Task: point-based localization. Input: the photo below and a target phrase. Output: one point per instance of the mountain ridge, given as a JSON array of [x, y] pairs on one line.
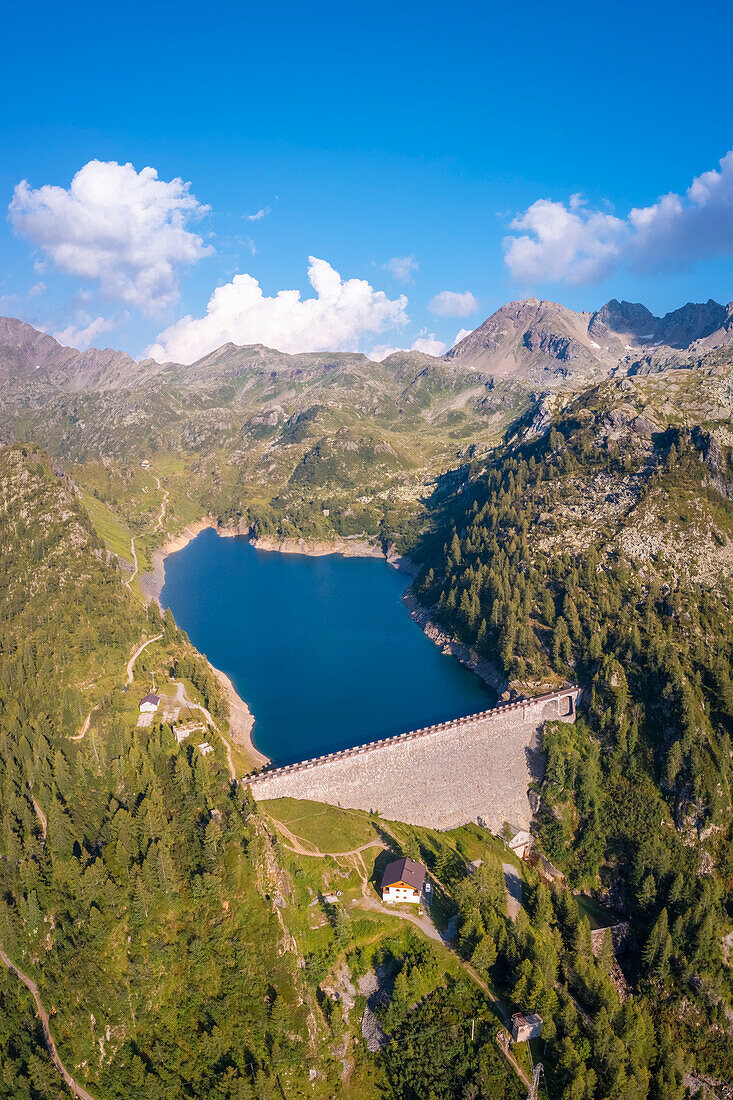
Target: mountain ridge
[[533, 339], [551, 344]]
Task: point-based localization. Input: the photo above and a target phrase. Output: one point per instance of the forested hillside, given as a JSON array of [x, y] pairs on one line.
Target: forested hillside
[[174, 950], [599, 551], [130, 889]]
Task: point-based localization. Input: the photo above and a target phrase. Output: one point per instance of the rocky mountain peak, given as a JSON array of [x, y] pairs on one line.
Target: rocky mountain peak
[[691, 322], [622, 319]]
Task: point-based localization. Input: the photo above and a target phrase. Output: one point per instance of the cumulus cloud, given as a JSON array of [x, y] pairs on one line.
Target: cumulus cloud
[[426, 341], [336, 319], [430, 344], [451, 303], [401, 268], [461, 335], [259, 215], [571, 243], [82, 335], [126, 230]]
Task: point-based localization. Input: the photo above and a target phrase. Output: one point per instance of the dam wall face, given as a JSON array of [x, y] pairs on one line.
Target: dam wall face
[[475, 768]]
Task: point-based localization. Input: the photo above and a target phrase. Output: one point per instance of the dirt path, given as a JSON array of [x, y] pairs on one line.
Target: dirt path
[[75, 1087], [421, 921], [40, 815], [427, 927], [183, 700], [513, 890], [132, 576], [158, 525], [136, 654], [85, 727], [296, 844], [164, 505]]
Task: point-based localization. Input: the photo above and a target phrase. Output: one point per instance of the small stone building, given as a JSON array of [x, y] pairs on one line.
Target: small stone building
[[526, 1027], [402, 881]]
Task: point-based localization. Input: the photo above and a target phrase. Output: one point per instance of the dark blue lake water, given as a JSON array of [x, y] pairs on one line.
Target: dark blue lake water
[[322, 649]]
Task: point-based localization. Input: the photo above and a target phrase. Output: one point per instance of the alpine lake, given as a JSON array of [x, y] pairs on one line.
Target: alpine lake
[[322, 649]]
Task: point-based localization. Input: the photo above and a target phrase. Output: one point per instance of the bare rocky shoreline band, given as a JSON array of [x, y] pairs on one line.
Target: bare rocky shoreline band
[[242, 720]]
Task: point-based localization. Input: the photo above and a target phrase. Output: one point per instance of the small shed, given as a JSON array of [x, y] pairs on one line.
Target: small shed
[[149, 703], [402, 881], [205, 748], [526, 1026], [521, 843]]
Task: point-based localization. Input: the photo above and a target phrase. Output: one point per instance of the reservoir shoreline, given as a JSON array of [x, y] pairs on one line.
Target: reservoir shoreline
[[242, 719]]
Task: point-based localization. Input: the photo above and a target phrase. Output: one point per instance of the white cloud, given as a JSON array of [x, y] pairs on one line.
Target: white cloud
[[402, 267], [83, 337], [426, 341], [382, 351], [572, 244], [125, 230], [451, 303], [12, 300], [461, 335], [259, 215], [430, 344], [336, 319]]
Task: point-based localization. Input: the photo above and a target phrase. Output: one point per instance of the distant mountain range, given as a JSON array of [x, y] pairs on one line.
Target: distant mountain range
[[538, 343], [246, 423]]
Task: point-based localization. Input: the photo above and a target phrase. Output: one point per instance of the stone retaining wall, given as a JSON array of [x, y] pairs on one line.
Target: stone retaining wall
[[479, 767]]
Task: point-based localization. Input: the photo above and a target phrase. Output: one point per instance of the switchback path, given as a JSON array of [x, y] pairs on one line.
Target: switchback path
[[128, 670], [164, 505], [75, 1087], [158, 525]]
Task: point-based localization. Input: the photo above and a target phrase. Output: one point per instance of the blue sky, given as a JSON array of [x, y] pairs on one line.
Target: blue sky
[[410, 132]]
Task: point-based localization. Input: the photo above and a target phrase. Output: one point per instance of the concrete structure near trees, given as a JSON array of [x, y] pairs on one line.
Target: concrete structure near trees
[[479, 768]]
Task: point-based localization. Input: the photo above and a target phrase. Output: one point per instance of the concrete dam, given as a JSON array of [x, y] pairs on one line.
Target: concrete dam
[[478, 768]]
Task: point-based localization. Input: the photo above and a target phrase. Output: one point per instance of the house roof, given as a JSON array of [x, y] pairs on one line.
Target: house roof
[[150, 698], [404, 870]]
